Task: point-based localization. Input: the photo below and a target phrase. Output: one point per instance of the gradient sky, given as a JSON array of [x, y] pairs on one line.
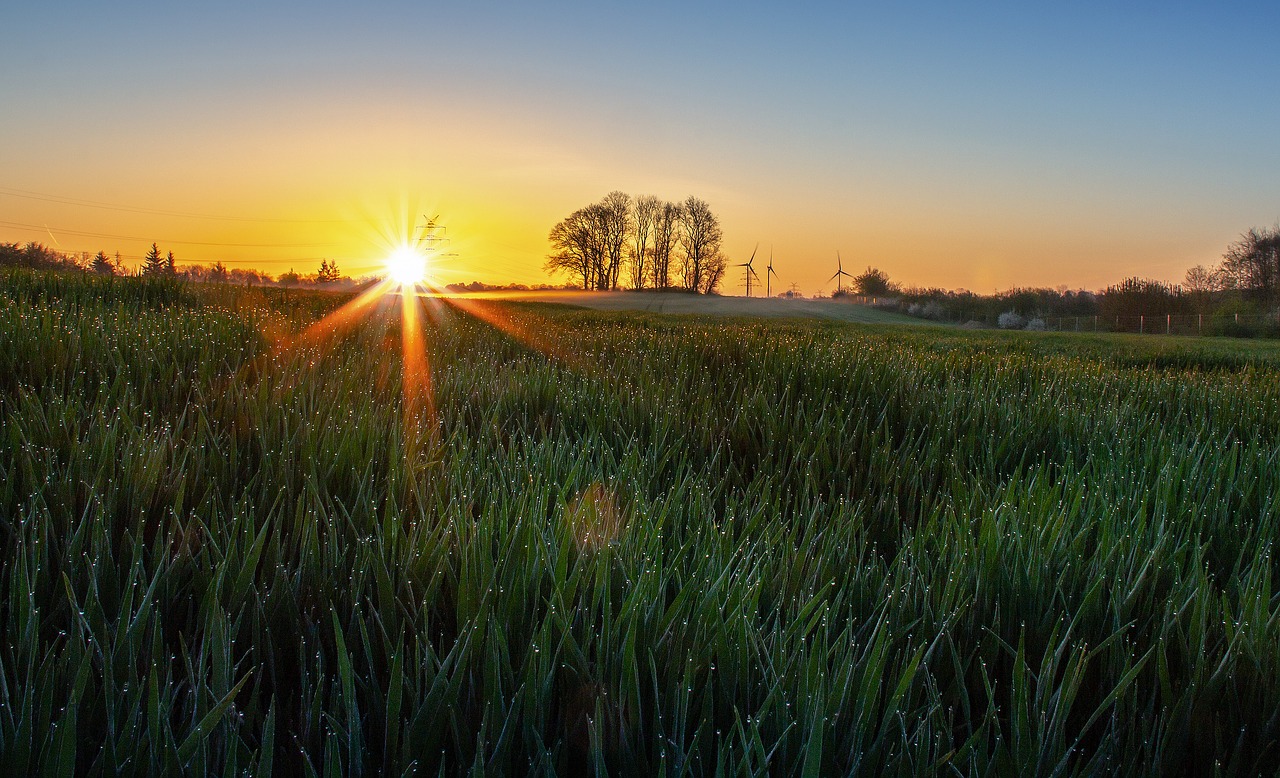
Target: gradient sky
[[989, 147]]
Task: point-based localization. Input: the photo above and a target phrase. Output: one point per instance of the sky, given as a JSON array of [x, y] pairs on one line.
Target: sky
[[985, 147]]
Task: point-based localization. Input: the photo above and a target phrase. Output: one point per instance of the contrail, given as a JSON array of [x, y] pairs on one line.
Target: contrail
[[55, 240]]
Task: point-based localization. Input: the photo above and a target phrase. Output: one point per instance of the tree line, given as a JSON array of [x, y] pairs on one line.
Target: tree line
[[644, 242], [1243, 288], [161, 264], [1250, 266]]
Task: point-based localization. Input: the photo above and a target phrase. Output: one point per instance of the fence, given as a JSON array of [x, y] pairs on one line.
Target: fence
[[1239, 324]]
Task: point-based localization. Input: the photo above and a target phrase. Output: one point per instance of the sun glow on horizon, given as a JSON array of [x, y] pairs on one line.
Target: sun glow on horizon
[[407, 266]]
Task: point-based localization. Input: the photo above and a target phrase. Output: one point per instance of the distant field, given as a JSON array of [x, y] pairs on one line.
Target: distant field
[[676, 302], [557, 540]]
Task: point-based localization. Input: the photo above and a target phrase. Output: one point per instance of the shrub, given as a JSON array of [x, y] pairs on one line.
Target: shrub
[[1010, 320], [934, 310]]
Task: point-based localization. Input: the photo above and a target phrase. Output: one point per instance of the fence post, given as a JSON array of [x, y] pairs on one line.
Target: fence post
[[1142, 324], [1168, 322], [1200, 324]]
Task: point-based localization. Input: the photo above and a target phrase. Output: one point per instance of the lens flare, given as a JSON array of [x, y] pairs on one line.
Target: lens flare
[[407, 266]]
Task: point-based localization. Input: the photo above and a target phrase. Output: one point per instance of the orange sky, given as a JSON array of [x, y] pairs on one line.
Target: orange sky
[[988, 152]]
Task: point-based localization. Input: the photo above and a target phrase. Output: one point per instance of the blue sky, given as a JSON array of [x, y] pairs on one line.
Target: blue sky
[[986, 147]]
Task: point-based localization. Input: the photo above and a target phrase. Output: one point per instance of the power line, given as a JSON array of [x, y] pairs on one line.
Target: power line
[[209, 261], [29, 195], [46, 228], [252, 262]]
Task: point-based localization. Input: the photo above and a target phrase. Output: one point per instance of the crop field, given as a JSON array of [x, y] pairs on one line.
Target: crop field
[[235, 541]]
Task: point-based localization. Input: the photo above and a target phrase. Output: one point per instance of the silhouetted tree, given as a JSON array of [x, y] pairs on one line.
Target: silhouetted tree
[[615, 212], [1200, 285], [713, 272], [101, 264], [1252, 264], [666, 234], [872, 283], [577, 249], [39, 257], [153, 263], [644, 212], [1201, 279], [1135, 297], [700, 237], [170, 266], [328, 272], [247, 277], [591, 244]]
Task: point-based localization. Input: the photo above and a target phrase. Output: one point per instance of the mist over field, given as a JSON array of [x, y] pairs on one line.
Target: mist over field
[[685, 303]]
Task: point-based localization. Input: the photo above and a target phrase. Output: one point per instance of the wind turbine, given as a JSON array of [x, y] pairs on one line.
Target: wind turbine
[[768, 275], [839, 276], [750, 271]]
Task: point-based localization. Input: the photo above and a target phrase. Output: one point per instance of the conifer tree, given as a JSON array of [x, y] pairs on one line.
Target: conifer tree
[[153, 263], [328, 272], [101, 264]]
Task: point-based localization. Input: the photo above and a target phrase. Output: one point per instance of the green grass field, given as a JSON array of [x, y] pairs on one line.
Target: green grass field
[[711, 305], [625, 542]]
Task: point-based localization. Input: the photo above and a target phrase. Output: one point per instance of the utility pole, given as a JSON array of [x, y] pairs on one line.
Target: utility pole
[[432, 236], [746, 266], [428, 232]]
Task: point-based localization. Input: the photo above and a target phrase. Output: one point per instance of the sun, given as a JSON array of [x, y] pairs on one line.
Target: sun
[[407, 266]]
